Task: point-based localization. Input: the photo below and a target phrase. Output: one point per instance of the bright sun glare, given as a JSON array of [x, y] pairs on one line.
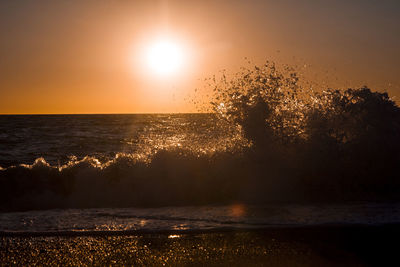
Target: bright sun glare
[[165, 57]]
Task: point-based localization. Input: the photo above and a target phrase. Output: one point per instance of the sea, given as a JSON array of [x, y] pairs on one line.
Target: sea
[[66, 174]]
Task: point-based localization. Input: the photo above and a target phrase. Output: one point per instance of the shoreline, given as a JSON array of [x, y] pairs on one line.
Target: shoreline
[[333, 245], [265, 229]]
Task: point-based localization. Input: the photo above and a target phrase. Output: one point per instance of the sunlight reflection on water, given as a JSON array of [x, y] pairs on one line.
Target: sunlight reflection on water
[[198, 217], [174, 236]]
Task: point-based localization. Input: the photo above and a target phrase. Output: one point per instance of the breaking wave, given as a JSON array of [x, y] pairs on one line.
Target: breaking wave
[[290, 143]]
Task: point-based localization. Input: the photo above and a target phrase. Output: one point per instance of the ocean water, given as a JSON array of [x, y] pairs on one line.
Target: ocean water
[[58, 138], [68, 173], [194, 218]]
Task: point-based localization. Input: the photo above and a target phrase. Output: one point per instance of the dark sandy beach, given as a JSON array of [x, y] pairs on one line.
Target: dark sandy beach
[[301, 246]]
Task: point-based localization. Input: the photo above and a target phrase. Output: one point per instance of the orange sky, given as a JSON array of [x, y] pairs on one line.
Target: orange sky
[[82, 56]]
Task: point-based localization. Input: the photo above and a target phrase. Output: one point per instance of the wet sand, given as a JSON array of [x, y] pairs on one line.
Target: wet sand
[[302, 246]]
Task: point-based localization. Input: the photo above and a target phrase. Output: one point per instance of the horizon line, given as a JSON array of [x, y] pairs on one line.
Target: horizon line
[[130, 113]]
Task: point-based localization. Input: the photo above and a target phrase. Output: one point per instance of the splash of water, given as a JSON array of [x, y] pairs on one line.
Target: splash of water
[[281, 142]]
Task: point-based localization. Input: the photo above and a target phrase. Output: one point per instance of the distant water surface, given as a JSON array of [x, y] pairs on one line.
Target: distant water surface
[[57, 138]]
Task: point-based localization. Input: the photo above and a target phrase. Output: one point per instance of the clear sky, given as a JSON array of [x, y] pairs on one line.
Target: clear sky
[[90, 56]]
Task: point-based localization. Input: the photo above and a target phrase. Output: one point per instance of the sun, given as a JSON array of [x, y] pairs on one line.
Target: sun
[[165, 57]]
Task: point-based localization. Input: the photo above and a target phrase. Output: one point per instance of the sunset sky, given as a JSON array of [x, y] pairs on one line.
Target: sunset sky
[[98, 56]]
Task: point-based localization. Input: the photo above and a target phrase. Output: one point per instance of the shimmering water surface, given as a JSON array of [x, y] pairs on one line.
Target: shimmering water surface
[[57, 138], [197, 218]]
